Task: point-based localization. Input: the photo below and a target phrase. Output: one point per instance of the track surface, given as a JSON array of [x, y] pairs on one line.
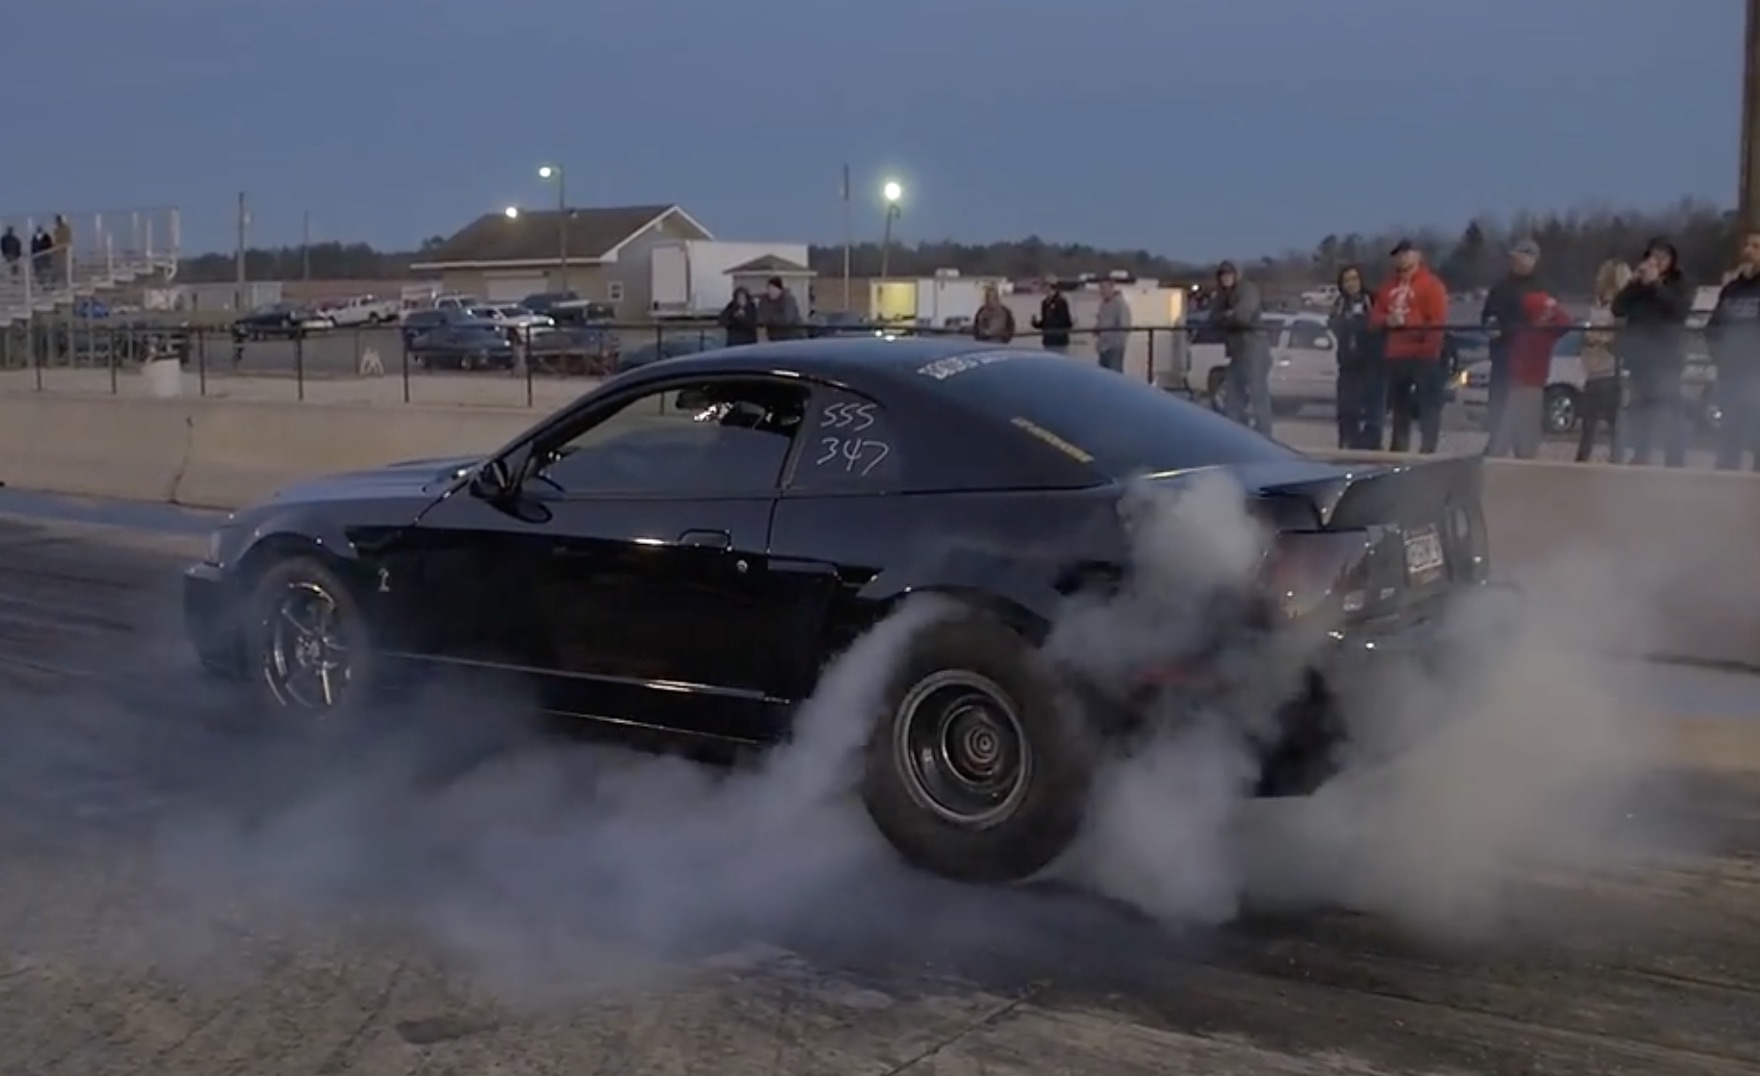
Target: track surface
[[110, 747]]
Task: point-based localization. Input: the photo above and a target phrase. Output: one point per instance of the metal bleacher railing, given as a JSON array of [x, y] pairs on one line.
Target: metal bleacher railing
[[108, 250]]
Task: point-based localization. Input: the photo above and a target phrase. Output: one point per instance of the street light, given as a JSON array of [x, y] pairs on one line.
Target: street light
[[511, 212], [554, 172], [892, 191]]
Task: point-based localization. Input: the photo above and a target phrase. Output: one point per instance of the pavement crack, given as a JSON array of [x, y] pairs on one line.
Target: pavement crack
[[990, 1019], [337, 1060]]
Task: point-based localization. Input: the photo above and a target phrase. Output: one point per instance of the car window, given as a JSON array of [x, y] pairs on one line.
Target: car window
[[1117, 425], [849, 445], [711, 438], [1307, 336]]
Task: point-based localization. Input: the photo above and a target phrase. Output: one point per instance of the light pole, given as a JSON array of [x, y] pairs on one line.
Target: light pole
[[892, 192], [511, 212], [549, 172]]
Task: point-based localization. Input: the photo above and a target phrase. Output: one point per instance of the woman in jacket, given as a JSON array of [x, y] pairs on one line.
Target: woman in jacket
[[1653, 309], [1602, 391], [740, 318], [1362, 384]]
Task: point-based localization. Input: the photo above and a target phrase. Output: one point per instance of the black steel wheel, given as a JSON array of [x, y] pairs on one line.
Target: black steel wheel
[[308, 647], [961, 750], [975, 769]]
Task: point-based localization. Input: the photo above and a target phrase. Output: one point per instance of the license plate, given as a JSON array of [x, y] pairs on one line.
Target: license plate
[[1424, 560]]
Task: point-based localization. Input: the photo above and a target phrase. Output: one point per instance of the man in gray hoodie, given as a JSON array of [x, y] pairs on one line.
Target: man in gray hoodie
[[1234, 312], [1112, 327]]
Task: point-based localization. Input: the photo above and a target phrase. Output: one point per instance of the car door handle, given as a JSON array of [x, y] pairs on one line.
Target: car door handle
[[707, 539]]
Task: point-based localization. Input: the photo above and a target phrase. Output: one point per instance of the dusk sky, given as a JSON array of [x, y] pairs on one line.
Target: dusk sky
[[1193, 129]]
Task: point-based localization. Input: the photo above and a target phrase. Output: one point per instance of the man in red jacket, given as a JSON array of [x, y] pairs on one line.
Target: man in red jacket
[[1522, 420], [1412, 308]]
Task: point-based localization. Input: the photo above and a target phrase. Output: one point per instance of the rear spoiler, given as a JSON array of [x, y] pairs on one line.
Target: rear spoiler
[[1380, 488]]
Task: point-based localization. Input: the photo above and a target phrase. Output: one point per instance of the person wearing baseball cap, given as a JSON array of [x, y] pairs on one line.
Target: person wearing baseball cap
[[1502, 316], [1411, 308]]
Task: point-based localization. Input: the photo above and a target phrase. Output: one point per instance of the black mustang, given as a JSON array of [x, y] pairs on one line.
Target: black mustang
[[685, 548]]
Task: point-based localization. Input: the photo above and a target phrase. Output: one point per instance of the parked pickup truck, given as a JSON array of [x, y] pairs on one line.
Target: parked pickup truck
[[364, 310]]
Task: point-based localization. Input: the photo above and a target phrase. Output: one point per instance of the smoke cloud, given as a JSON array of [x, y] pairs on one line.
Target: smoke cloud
[[1518, 754], [549, 868]]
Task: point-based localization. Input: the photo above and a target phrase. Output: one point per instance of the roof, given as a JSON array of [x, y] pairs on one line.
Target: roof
[[594, 234], [770, 263], [831, 357]]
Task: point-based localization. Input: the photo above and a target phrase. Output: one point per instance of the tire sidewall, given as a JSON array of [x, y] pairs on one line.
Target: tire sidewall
[[1049, 813]]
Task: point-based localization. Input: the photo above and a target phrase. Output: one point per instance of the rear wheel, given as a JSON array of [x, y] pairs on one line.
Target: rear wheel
[[973, 771], [305, 640], [1216, 388]]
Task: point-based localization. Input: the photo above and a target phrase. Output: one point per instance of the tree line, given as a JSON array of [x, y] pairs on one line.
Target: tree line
[[1573, 243]]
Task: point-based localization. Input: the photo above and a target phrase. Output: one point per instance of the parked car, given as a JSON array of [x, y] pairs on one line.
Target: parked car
[[513, 318], [279, 321], [417, 322], [464, 346], [688, 548], [1304, 362], [542, 302], [581, 312], [364, 310], [573, 351], [1564, 389]]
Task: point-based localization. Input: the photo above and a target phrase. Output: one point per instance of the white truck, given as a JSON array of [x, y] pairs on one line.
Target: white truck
[[364, 310]]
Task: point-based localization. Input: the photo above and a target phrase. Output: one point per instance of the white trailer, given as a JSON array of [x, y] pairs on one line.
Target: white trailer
[[689, 278]]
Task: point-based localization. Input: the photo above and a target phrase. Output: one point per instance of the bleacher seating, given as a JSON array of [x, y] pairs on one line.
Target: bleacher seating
[[111, 249]]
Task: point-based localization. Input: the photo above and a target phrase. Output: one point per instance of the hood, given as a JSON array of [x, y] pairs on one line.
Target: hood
[[412, 478]]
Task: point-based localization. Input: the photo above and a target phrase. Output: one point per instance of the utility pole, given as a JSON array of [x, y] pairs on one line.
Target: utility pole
[[1748, 197], [849, 234], [244, 223], [305, 247]]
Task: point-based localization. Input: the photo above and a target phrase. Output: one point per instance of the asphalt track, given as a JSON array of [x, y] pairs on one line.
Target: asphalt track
[[122, 951]]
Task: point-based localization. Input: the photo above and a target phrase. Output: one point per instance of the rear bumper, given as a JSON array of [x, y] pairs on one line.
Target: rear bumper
[[210, 618]]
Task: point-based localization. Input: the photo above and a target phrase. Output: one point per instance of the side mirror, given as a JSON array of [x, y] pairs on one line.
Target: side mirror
[[492, 481]]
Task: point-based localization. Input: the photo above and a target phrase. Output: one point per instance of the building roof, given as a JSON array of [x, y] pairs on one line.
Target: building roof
[[770, 263], [594, 234]]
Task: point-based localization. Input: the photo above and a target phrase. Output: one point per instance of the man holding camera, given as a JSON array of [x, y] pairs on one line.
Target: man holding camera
[[1734, 335], [1654, 308]]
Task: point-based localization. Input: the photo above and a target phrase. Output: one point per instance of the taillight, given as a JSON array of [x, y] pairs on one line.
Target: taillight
[[1309, 572]]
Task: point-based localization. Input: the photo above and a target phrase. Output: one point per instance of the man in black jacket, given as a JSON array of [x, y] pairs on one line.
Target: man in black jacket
[[1734, 335], [11, 250], [1502, 315], [1654, 308], [1054, 321]]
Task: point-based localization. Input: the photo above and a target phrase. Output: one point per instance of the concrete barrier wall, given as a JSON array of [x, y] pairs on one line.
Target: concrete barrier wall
[[1670, 558]]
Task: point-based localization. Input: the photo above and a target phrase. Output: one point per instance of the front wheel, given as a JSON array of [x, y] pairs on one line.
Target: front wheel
[[1560, 410], [306, 642], [974, 772]]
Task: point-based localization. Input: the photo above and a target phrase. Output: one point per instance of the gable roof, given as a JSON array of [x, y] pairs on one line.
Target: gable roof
[[770, 263], [594, 234]]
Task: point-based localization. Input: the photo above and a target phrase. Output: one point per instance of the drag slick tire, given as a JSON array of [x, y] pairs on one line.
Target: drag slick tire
[[973, 771], [306, 645]]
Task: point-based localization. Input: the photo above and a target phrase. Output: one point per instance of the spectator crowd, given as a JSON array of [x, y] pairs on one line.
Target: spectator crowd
[[50, 253], [1390, 341]]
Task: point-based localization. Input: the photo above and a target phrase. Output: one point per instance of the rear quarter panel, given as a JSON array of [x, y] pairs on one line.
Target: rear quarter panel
[[1000, 551]]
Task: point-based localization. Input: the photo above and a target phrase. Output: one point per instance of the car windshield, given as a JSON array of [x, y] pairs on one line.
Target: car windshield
[[1125, 426]]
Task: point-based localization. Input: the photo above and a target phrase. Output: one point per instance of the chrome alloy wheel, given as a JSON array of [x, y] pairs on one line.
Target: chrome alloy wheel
[[305, 661], [961, 749]]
